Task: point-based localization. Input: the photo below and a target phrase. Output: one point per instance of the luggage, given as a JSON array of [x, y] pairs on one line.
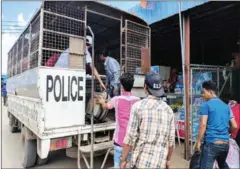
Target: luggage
[[195, 161], [98, 112]]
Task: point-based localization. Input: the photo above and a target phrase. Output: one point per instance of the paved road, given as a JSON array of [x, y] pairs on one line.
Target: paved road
[[12, 153]]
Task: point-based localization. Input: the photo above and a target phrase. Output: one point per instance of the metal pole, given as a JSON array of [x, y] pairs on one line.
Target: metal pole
[[187, 87], [29, 44], [121, 34], [126, 46], [182, 42], [218, 85], [92, 96], [40, 37]]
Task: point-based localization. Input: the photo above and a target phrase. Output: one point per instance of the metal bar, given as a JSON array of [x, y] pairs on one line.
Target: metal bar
[[191, 108], [22, 54], [138, 24], [17, 61], [133, 45], [138, 33], [204, 66], [34, 52], [88, 10], [78, 152], [224, 84], [218, 82], [63, 16], [231, 81], [40, 38], [29, 45], [149, 45], [56, 50], [62, 33], [126, 46], [92, 97], [121, 34], [187, 87]]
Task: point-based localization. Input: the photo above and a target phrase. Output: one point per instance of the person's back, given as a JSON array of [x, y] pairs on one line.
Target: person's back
[[218, 120], [154, 132], [122, 105], [216, 123], [151, 128]]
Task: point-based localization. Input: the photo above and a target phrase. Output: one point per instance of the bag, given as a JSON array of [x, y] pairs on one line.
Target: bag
[[236, 112], [195, 160]]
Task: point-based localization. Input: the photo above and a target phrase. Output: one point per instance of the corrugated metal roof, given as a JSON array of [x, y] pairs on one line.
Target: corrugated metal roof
[[153, 11]]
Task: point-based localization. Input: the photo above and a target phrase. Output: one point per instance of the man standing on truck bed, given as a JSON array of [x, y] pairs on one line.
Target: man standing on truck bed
[[151, 129], [122, 105], [64, 59], [112, 69]]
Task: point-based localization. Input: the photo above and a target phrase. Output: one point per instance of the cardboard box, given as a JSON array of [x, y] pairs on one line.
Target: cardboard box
[[76, 53]]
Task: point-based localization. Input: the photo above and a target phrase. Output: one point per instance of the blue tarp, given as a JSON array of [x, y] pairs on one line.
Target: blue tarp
[[153, 11]]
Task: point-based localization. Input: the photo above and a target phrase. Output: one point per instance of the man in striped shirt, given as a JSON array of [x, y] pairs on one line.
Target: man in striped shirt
[[151, 129], [122, 105]]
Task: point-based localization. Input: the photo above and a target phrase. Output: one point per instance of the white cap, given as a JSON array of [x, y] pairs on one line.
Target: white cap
[[89, 40]]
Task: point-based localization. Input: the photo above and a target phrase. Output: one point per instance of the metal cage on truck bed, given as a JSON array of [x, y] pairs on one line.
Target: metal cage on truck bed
[[57, 25]]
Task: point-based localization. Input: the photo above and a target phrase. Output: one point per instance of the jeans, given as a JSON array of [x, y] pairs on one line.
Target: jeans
[[212, 152], [117, 156], [114, 90]]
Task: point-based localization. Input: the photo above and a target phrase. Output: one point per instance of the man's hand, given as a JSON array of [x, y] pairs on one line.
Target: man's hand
[[101, 100], [103, 86], [198, 147], [123, 164], [168, 165]]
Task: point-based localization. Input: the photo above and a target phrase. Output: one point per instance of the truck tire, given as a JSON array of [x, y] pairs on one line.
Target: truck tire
[[12, 124], [40, 161], [30, 153]]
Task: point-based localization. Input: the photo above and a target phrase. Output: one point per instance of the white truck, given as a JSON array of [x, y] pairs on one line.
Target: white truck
[[48, 103]]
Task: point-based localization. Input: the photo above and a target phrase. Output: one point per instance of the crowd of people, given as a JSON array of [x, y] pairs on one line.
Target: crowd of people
[[145, 128]]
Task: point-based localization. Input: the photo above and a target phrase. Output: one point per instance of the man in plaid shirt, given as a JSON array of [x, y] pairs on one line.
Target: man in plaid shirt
[[151, 129]]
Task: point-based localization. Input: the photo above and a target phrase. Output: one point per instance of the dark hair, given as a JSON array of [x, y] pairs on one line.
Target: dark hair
[[127, 80], [104, 52], [209, 85]]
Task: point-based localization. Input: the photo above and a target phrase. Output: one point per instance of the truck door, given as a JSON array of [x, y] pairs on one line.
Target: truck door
[[135, 47]]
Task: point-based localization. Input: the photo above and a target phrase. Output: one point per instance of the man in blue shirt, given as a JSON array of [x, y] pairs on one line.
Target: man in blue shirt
[[112, 70], [216, 123]]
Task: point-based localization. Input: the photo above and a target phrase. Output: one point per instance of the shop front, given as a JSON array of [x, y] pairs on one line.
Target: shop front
[[204, 50]]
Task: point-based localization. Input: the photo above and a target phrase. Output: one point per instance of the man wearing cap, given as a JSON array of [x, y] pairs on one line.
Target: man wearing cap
[[112, 69], [63, 61], [151, 129]]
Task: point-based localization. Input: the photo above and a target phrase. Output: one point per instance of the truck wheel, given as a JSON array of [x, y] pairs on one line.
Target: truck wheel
[[40, 161], [30, 153], [12, 124]]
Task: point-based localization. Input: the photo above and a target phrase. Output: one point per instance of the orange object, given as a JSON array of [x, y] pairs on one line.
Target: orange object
[[143, 3]]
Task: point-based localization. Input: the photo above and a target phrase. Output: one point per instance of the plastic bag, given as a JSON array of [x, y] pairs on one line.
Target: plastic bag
[[195, 161]]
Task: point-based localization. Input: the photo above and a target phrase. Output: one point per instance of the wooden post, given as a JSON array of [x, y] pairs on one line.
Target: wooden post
[[187, 85]]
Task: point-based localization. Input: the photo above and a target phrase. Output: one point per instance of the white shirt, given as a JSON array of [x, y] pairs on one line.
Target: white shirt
[[63, 60]]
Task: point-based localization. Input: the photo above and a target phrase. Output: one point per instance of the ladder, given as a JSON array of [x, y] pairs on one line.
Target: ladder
[[86, 149]]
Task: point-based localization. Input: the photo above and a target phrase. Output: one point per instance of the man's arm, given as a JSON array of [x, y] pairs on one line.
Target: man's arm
[[107, 105], [96, 74], [202, 125], [132, 132]]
